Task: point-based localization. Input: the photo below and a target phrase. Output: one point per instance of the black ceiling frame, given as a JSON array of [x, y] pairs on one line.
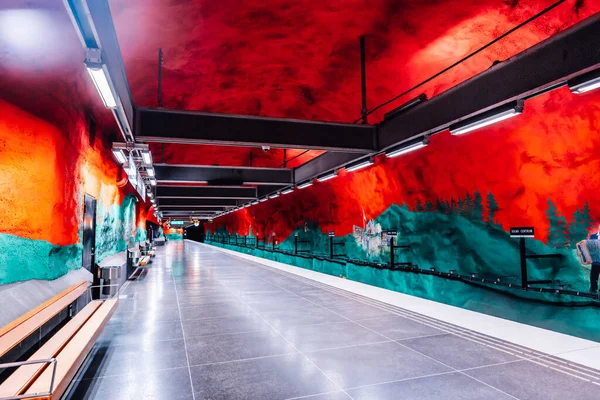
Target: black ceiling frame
[[546, 65]]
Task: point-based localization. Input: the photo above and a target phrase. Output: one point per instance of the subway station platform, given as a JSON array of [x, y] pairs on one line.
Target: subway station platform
[[203, 323]]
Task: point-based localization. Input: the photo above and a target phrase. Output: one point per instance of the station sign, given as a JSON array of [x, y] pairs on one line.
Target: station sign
[[176, 223], [332, 233], [522, 232], [392, 233]]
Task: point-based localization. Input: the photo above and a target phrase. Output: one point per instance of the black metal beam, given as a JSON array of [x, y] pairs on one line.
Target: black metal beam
[[223, 175], [175, 126], [563, 56], [323, 163], [205, 192], [186, 213], [550, 63], [189, 210], [94, 25], [262, 191], [170, 202]]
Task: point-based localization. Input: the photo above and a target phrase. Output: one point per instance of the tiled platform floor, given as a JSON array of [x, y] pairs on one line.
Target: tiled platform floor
[[207, 325]]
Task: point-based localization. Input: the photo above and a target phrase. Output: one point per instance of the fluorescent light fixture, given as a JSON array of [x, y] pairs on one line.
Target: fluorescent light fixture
[[274, 195], [153, 182], [487, 118], [305, 185], [585, 82], [327, 177], [119, 155], [247, 205], [152, 201], [150, 194], [287, 191], [263, 199], [359, 165], [407, 147], [150, 172], [254, 202], [406, 106], [146, 156], [99, 75]]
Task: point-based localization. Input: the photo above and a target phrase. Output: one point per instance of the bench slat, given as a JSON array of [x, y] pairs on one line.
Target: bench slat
[[37, 309], [74, 353], [15, 332], [19, 380]]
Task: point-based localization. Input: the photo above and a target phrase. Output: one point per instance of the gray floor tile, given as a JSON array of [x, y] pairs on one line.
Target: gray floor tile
[[458, 352], [239, 346], [357, 311], [299, 317], [528, 381], [327, 336], [373, 363], [287, 303], [132, 359], [271, 378], [328, 396], [192, 301], [221, 325], [146, 315], [134, 332], [396, 327], [135, 306], [171, 384], [454, 386], [214, 310]]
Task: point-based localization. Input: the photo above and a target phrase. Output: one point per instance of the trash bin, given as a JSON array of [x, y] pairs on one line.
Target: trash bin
[[133, 256], [109, 275]]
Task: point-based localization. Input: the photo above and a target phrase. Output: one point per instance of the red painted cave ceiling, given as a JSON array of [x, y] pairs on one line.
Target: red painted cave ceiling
[[296, 59]]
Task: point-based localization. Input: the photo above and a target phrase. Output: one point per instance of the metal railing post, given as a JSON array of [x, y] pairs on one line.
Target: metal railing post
[[330, 246], [392, 252]]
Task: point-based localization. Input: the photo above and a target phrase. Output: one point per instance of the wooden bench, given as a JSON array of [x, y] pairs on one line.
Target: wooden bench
[[49, 371], [143, 261], [18, 330]]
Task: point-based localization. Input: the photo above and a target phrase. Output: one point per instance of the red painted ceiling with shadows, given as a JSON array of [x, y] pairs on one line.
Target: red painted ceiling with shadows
[[300, 59]]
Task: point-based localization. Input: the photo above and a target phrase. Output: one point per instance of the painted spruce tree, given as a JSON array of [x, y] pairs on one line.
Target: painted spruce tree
[[558, 231], [419, 206], [428, 206], [492, 208], [580, 223], [477, 206], [468, 206]]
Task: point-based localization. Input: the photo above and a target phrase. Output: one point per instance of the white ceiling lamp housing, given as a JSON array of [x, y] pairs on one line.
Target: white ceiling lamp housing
[[585, 82], [488, 118], [119, 155], [150, 172], [305, 184], [287, 191], [408, 147], [146, 157], [327, 177], [99, 74], [360, 165]]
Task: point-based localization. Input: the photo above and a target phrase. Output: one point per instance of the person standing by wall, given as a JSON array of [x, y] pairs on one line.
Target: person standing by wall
[[595, 272]]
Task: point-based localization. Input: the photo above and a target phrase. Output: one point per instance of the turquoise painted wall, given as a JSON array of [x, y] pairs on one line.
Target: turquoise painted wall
[[23, 259]]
